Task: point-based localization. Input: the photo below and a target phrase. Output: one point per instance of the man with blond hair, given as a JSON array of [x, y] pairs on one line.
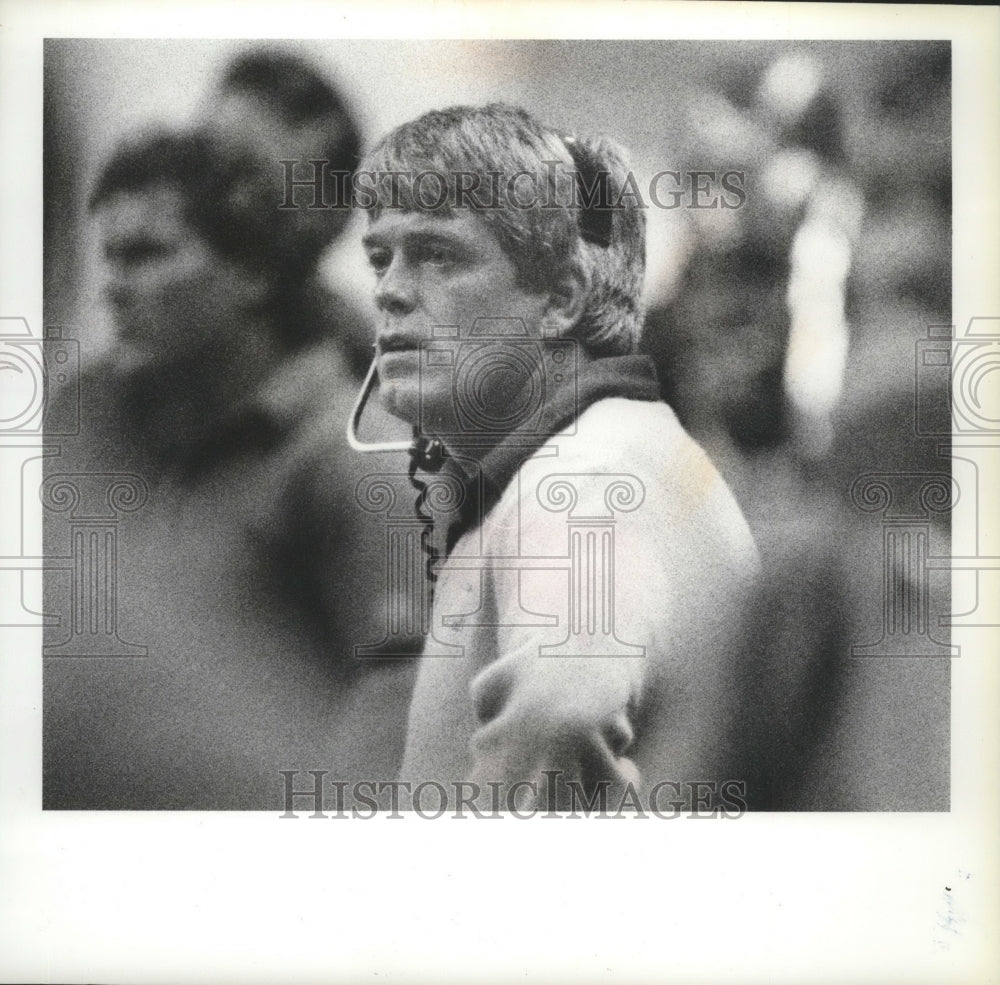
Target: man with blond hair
[[592, 563]]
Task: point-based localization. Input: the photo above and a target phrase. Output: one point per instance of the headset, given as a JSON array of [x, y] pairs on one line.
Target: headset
[[425, 453], [595, 226]]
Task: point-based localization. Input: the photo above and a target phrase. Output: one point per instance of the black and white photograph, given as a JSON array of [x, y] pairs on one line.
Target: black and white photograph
[[771, 565], [589, 421]]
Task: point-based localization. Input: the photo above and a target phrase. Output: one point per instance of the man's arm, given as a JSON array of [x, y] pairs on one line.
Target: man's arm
[[683, 566]]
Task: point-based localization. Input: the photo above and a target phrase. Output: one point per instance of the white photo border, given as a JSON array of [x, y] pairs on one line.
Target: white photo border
[[210, 897]]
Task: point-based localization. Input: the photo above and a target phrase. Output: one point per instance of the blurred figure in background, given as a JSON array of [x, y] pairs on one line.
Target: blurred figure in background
[[247, 574], [788, 351], [769, 278], [283, 108]]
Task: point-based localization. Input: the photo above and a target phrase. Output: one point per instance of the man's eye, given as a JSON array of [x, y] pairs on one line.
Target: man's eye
[[438, 255], [378, 260]]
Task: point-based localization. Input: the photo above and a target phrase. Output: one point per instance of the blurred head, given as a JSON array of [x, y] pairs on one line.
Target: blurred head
[[287, 110], [486, 223], [191, 251]]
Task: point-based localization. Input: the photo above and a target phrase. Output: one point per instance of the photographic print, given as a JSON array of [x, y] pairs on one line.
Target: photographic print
[[238, 597], [424, 421]]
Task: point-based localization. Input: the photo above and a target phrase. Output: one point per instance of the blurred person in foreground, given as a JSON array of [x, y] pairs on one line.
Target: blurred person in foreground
[[525, 320], [245, 575]]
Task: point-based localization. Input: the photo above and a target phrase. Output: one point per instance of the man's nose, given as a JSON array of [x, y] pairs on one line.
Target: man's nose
[[396, 290]]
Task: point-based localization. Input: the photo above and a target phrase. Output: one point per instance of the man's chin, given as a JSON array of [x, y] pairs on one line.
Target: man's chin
[[400, 400], [417, 405]]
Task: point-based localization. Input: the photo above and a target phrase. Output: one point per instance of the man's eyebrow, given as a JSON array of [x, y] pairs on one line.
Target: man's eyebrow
[[415, 237], [439, 235]]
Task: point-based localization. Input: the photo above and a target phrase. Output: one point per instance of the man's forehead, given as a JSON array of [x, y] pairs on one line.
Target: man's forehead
[[459, 224]]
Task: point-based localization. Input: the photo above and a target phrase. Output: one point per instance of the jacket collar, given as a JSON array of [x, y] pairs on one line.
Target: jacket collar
[[630, 377]]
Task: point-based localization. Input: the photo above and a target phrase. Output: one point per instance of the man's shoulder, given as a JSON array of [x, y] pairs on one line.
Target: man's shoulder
[[622, 429], [618, 434], [639, 466]]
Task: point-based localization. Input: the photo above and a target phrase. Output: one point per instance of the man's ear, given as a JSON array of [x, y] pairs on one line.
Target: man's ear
[[567, 300]]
